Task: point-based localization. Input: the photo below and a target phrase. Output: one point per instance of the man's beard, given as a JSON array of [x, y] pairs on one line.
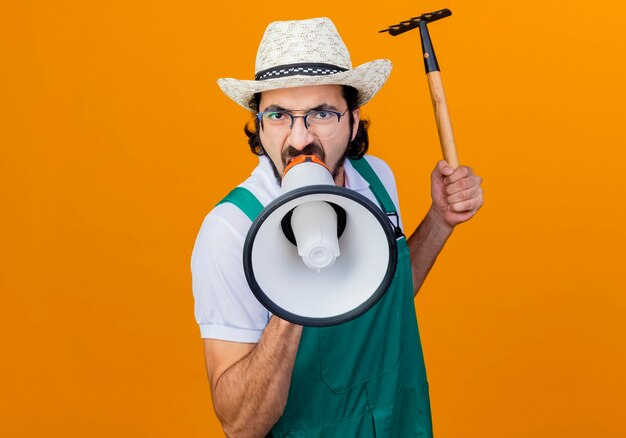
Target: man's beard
[[289, 153]]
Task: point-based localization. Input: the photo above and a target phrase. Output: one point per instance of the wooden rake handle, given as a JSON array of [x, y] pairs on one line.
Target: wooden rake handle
[[442, 117], [438, 97]]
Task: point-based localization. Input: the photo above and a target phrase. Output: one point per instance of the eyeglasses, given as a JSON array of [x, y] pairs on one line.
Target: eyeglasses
[[322, 123]]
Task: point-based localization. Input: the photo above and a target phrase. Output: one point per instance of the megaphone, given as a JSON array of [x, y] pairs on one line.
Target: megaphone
[[319, 254]]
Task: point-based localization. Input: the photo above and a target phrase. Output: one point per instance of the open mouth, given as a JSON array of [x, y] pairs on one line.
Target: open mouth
[[312, 149], [291, 158]]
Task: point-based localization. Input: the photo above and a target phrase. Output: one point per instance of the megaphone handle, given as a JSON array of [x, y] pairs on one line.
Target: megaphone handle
[[442, 117]]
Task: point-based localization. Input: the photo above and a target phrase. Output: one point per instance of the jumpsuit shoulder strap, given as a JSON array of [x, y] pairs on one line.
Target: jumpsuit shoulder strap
[[245, 201], [365, 170]]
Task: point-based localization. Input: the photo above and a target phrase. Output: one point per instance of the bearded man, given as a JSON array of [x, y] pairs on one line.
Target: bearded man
[[268, 376]]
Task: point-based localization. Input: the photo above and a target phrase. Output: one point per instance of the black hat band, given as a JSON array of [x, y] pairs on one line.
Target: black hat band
[[305, 69]]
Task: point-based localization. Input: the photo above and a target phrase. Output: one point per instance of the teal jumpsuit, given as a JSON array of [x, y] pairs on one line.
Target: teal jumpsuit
[[365, 377]]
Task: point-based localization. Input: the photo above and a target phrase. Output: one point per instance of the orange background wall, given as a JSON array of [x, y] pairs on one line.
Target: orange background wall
[[115, 142]]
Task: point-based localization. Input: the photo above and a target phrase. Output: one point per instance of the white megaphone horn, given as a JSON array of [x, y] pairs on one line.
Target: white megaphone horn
[[319, 254]]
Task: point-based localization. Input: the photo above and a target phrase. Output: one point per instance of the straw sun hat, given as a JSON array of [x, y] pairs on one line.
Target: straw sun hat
[[305, 52]]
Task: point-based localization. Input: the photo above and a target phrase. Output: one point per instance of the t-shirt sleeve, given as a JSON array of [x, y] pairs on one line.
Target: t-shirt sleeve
[[225, 307]]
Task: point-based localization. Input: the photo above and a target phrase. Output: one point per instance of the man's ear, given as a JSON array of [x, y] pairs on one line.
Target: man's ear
[[355, 126]]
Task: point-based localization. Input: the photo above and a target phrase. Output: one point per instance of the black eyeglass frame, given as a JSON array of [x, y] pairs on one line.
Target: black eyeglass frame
[[293, 117]]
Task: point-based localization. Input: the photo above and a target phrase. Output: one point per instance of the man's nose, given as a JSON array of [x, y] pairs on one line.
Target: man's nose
[[299, 136]]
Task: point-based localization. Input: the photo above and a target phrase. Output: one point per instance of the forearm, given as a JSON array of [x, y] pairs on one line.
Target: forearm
[[251, 395], [425, 244]]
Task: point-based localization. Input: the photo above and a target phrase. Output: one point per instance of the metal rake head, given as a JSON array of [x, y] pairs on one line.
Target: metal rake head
[[414, 22]]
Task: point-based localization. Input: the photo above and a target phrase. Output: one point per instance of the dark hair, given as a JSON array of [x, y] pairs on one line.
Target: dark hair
[[357, 147]]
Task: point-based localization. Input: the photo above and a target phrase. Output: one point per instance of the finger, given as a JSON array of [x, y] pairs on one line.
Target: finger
[[459, 172], [464, 217], [463, 184], [474, 192], [473, 205]]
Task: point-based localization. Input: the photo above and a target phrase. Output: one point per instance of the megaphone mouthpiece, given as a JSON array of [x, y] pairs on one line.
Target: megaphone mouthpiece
[[304, 171], [314, 226]]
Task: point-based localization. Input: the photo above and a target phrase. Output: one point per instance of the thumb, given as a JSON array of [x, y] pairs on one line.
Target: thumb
[[443, 169]]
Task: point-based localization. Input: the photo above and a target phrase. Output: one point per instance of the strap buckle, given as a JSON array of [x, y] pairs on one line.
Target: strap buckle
[[396, 224]]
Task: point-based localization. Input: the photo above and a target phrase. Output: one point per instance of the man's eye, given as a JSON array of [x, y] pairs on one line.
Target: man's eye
[[275, 116], [322, 115]]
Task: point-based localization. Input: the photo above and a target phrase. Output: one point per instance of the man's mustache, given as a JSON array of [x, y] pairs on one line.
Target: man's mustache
[[289, 153]]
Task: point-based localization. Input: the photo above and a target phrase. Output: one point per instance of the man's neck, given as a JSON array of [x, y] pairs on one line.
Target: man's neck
[[340, 179]]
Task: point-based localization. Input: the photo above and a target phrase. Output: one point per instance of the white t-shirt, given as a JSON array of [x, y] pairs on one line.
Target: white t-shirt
[[225, 307]]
